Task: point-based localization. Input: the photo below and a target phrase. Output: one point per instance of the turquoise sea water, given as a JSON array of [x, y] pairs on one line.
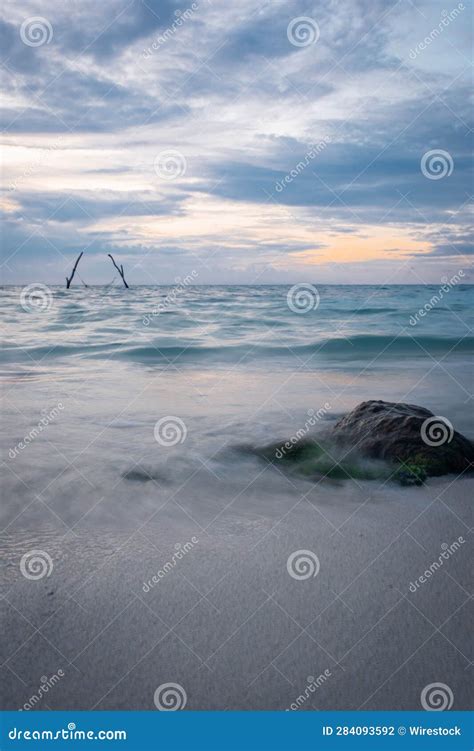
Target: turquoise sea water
[[126, 414], [221, 326], [233, 365]]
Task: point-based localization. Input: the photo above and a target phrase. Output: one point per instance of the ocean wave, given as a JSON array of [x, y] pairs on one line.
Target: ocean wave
[[354, 347], [397, 345], [373, 311], [233, 325]]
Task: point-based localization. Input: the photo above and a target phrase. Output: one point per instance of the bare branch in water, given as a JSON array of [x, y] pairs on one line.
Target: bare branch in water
[[119, 269], [68, 281]]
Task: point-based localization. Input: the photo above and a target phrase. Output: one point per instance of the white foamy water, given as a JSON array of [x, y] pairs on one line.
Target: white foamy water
[[90, 479]]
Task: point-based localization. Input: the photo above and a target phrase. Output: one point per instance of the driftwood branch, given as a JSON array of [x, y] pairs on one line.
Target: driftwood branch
[[68, 281], [119, 269]]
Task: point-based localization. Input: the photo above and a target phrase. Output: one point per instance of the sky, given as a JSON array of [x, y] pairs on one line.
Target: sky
[[244, 142]]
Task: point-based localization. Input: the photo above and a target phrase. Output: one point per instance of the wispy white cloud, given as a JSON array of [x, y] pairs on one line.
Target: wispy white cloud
[[87, 114]]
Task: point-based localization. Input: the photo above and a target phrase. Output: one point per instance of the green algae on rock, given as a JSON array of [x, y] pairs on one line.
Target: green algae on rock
[[378, 440], [322, 459]]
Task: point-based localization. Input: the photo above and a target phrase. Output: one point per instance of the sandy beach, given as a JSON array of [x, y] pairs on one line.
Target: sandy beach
[[169, 564], [228, 623]]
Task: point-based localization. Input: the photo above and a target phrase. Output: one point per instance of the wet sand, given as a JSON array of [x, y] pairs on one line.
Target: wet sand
[[226, 621]]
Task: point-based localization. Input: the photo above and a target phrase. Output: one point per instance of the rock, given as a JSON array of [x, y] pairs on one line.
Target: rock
[[410, 475], [319, 459], [425, 444], [144, 474]]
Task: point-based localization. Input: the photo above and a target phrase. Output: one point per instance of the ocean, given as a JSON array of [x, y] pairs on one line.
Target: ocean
[[129, 422], [310, 328]]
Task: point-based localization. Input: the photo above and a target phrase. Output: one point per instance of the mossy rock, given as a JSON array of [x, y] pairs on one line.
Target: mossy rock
[[406, 434], [411, 473], [377, 440], [314, 460]]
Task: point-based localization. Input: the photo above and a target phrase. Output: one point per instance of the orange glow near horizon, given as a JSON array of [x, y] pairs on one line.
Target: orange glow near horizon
[[375, 243], [244, 225]]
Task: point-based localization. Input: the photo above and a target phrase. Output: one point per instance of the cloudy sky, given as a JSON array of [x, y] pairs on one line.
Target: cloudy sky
[[247, 141]]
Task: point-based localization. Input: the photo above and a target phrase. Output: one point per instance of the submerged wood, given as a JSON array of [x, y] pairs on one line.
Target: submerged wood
[[119, 269], [68, 281]]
